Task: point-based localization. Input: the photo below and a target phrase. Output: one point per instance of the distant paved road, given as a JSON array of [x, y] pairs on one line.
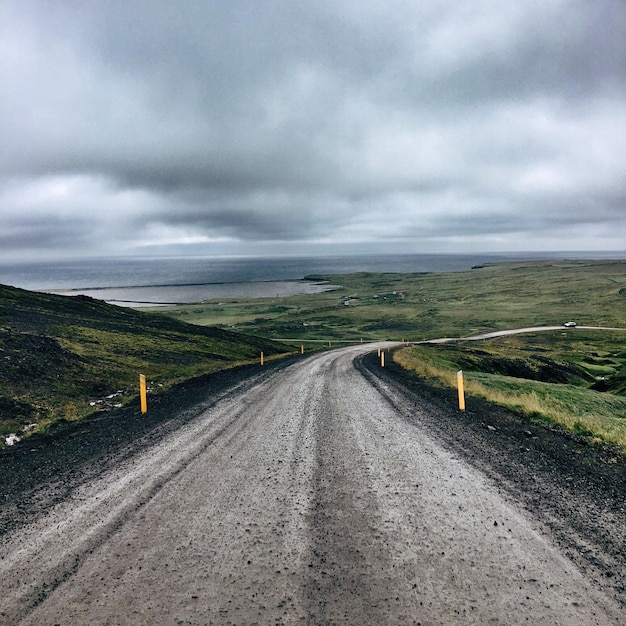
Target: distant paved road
[[307, 499], [515, 331]]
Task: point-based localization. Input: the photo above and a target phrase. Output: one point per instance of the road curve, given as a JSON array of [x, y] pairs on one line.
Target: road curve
[[308, 498], [516, 331]]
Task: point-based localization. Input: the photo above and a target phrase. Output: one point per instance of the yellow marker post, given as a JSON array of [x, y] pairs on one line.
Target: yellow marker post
[[459, 380], [302, 349], [379, 353], [142, 393], [262, 359], [382, 359]]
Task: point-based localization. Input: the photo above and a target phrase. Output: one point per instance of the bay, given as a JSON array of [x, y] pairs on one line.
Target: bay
[[193, 279]]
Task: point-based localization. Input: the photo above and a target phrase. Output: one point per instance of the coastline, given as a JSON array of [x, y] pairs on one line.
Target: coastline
[[162, 295], [154, 281]]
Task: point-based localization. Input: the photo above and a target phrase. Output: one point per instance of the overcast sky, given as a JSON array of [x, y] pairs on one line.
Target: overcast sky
[[286, 127]]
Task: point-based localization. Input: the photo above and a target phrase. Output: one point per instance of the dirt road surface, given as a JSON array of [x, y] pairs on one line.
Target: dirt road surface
[[314, 496]]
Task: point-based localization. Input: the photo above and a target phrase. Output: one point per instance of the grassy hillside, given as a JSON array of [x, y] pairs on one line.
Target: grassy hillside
[[60, 354], [419, 306], [573, 377], [64, 357]]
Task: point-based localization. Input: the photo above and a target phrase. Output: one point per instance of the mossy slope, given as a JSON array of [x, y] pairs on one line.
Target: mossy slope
[[62, 356]]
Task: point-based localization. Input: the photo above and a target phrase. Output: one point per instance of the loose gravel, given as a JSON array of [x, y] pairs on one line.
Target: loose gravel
[[321, 490]]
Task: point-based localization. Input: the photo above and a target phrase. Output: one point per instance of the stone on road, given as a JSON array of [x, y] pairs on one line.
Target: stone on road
[[309, 499]]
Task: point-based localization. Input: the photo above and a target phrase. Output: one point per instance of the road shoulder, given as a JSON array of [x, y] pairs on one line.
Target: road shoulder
[[573, 489]]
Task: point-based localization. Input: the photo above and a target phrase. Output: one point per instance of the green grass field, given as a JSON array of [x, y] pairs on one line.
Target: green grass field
[[574, 378], [59, 353], [553, 376], [419, 306]]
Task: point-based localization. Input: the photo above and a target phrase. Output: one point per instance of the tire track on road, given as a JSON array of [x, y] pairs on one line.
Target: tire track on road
[[308, 498]]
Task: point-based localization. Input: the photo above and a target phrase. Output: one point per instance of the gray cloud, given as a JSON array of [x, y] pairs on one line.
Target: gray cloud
[[229, 126]]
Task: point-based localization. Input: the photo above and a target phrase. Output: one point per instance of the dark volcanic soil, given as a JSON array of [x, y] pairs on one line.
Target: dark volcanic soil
[[43, 469], [575, 489]]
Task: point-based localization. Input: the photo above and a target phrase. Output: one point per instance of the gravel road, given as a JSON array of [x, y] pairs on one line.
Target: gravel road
[[312, 497]]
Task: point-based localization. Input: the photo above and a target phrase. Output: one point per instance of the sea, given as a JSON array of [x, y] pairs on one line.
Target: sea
[[154, 281]]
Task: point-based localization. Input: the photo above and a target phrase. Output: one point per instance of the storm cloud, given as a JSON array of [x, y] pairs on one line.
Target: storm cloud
[[250, 127]]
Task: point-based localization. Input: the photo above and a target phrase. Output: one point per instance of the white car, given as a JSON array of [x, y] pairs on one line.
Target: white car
[[570, 324]]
